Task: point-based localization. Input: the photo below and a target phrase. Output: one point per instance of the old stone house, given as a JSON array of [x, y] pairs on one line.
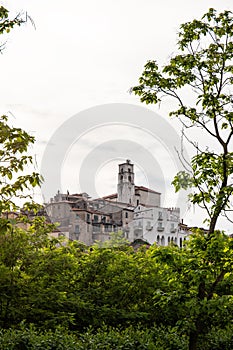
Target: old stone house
[[134, 210]]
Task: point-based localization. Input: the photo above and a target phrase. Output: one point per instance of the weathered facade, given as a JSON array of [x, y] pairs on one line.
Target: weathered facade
[[79, 218], [135, 210]]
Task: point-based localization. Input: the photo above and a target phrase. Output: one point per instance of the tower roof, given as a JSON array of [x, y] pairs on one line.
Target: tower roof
[[128, 161]]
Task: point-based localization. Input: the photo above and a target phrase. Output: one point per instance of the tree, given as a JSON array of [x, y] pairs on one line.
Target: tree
[[204, 69], [14, 158], [196, 292], [21, 250], [7, 24], [16, 245], [117, 240]]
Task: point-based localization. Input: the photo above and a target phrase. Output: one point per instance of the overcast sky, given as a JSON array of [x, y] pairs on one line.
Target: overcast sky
[[85, 54]]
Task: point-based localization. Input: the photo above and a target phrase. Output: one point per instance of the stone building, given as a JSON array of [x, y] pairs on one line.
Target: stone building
[[156, 224], [134, 210], [80, 218], [128, 193]]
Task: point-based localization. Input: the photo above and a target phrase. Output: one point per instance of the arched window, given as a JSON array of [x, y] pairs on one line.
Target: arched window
[[162, 240], [180, 242], [168, 240]]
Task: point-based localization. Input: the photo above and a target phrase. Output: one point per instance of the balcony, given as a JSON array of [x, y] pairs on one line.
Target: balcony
[[96, 222], [160, 228]]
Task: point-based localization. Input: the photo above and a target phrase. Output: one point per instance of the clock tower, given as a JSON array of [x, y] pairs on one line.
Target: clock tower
[[125, 187]]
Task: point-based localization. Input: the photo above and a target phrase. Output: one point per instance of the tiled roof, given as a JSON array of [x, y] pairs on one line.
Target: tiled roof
[[90, 211], [142, 188], [114, 195]]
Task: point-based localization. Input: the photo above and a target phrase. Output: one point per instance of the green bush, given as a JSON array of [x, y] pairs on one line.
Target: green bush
[[218, 339], [30, 339], [104, 339]]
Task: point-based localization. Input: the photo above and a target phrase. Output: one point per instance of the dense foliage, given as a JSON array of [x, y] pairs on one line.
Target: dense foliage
[[106, 338], [53, 284], [198, 80]]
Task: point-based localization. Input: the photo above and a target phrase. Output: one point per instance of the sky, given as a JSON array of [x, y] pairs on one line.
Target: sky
[[82, 56]]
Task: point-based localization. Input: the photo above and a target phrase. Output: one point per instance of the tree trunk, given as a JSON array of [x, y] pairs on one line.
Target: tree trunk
[[213, 221], [193, 337], [194, 334]]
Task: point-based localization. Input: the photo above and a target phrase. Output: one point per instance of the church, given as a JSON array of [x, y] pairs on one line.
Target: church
[[134, 210]]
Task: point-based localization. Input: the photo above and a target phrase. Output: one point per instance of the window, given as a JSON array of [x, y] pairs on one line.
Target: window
[[173, 227], [76, 236], [129, 178], [129, 170], [162, 240], [108, 228], [126, 215], [137, 202], [160, 215], [95, 218], [96, 228], [77, 216], [76, 230], [121, 177], [88, 217]]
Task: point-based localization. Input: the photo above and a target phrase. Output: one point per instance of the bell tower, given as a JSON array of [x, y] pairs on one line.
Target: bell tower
[[125, 187]]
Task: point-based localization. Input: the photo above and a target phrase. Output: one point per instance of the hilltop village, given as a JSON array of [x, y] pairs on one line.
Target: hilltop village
[[134, 210]]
